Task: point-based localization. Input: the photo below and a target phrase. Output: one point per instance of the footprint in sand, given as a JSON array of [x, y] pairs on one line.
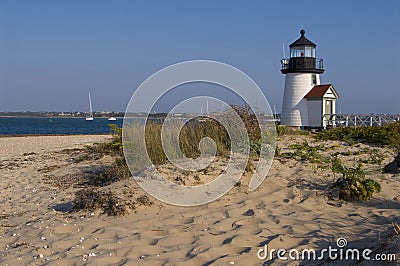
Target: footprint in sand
[[188, 220]]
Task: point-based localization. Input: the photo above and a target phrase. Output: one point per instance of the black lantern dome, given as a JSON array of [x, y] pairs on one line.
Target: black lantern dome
[[302, 57]]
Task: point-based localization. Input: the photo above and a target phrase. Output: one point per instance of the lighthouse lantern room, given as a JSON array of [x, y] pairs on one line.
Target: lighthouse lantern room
[[302, 72]]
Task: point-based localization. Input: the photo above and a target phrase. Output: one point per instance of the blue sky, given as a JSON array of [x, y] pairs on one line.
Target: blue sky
[[52, 53]]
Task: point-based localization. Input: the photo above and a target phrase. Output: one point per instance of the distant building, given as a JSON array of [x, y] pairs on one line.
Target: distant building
[[305, 100], [64, 114]]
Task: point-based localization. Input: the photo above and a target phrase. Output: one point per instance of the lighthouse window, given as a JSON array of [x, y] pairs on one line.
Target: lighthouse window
[[292, 52], [314, 79], [298, 52], [310, 52]]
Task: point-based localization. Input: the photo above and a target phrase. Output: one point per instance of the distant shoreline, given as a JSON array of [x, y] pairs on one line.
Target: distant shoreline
[[81, 117], [61, 135]]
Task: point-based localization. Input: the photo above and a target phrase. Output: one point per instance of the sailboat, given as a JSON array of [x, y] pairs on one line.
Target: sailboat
[[112, 119], [90, 117]]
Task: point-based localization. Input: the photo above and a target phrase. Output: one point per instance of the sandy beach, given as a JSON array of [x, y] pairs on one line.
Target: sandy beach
[[289, 210]]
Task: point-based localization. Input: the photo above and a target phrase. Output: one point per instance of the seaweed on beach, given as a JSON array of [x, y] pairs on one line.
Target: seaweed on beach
[[112, 173], [112, 203], [91, 200]]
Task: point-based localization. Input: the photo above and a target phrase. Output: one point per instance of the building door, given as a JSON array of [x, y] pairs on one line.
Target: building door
[[328, 107]]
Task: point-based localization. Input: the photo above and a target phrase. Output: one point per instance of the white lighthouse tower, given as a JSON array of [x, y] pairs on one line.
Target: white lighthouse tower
[[302, 72]]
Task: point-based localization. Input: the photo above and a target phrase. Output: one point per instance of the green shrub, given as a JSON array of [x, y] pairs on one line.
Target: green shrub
[[277, 151], [255, 147], [375, 157], [388, 135], [280, 130], [305, 152], [353, 184]]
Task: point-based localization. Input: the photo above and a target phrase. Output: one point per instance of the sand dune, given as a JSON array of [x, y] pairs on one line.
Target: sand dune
[[289, 210]]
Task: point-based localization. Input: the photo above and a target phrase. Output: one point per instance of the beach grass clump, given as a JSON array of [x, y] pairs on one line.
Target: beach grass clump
[[250, 121], [189, 138], [113, 147], [353, 185], [191, 134], [282, 130]]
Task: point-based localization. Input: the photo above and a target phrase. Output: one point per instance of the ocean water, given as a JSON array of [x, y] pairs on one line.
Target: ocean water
[[21, 126]]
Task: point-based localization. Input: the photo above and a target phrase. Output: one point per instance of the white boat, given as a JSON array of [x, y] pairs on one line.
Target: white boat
[[90, 117], [112, 119]]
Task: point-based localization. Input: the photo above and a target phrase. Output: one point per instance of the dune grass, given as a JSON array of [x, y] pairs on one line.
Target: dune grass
[[92, 198], [190, 135]]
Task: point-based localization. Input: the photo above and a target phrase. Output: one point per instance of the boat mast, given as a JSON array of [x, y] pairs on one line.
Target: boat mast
[[90, 104]]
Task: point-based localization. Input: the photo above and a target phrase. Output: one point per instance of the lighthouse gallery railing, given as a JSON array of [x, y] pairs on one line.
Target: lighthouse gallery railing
[[303, 63]]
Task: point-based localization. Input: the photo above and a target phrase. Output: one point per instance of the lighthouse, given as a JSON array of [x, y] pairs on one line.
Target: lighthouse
[[306, 103]]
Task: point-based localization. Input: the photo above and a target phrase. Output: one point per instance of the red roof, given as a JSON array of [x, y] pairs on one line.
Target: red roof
[[318, 91]]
